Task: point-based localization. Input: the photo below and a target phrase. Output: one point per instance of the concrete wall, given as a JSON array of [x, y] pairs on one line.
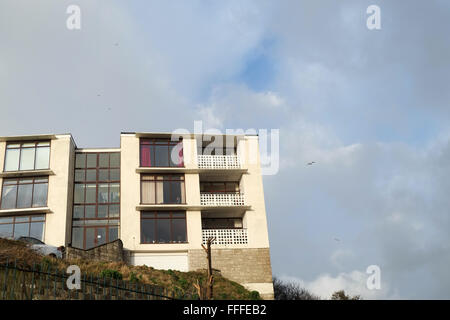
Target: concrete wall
[[112, 251], [60, 186]]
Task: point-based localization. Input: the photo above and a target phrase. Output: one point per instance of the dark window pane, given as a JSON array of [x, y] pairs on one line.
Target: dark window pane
[[90, 238], [103, 193], [163, 230], [37, 230], [24, 196], [80, 160], [103, 175], [148, 231], [9, 197], [42, 157], [6, 230], [12, 160], [91, 175], [91, 160], [114, 160], [78, 212], [91, 193], [115, 174], [90, 212], [103, 160], [161, 156], [79, 193], [114, 210], [179, 230], [176, 192], [113, 233], [77, 237], [79, 175], [40, 195], [21, 230], [27, 159], [101, 236], [102, 211]]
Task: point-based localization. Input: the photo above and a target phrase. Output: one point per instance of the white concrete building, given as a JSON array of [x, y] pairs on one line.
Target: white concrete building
[[162, 196]]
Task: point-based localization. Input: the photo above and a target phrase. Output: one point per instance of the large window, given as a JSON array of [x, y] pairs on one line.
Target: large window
[[162, 189], [22, 226], [163, 227], [161, 153], [24, 193], [96, 210], [27, 156]]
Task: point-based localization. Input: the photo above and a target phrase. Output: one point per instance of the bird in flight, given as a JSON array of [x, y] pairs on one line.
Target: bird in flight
[[311, 163], [336, 239]]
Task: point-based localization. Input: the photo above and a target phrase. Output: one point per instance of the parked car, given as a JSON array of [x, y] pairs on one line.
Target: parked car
[[42, 248]]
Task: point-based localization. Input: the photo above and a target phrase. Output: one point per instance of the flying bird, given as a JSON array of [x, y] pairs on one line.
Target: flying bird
[[311, 163], [336, 239]]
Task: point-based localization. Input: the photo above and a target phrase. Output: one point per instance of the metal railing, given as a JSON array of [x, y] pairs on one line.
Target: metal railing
[[43, 282], [222, 199], [225, 236], [219, 162]]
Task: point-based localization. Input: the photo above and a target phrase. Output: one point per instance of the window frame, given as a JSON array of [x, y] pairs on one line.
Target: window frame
[[20, 148], [224, 190], [17, 184], [96, 222], [29, 222], [182, 180], [160, 142], [170, 218]]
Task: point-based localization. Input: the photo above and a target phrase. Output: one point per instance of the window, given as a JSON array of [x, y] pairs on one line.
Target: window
[[219, 187], [162, 189], [24, 193], [161, 153], [22, 226], [27, 156], [222, 223], [96, 209], [163, 227]]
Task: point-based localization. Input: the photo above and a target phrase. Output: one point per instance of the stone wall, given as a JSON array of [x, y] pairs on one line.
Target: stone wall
[[112, 251], [245, 266]]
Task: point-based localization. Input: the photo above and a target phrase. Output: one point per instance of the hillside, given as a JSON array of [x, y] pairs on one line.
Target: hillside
[[180, 282]]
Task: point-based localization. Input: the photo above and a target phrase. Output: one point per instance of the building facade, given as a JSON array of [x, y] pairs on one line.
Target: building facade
[[163, 196]]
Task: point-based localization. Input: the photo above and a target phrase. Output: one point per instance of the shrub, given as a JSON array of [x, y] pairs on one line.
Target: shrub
[[113, 274], [254, 295]]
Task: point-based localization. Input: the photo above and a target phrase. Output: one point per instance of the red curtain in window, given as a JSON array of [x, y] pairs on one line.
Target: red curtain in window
[[180, 155], [146, 158]]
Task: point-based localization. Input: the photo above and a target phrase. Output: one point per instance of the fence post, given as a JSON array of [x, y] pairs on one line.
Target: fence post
[[6, 280], [14, 281], [54, 283], [32, 281]]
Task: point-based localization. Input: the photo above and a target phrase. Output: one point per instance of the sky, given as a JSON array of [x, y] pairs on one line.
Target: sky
[[370, 107]]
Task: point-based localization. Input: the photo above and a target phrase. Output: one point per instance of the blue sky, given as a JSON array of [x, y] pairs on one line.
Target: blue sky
[[370, 107]]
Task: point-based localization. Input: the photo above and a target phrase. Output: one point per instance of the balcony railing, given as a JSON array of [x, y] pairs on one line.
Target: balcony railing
[[222, 199], [225, 236], [219, 162]]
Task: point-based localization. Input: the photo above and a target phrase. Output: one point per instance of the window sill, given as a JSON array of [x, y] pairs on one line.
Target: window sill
[[27, 173], [24, 211]]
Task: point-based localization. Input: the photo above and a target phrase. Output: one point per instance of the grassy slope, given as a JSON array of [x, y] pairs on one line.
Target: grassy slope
[[181, 281]]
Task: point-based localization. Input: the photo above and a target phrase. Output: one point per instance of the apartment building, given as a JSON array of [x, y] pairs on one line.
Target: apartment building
[[162, 196]]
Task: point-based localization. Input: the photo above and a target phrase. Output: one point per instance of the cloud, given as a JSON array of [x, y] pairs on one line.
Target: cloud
[[353, 283]]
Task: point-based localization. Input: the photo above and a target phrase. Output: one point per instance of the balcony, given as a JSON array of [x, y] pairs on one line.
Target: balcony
[[222, 199], [225, 236], [219, 162]]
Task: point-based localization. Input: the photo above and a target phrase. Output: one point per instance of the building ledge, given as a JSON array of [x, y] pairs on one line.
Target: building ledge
[[27, 173], [186, 207], [24, 211], [36, 137], [166, 170]]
